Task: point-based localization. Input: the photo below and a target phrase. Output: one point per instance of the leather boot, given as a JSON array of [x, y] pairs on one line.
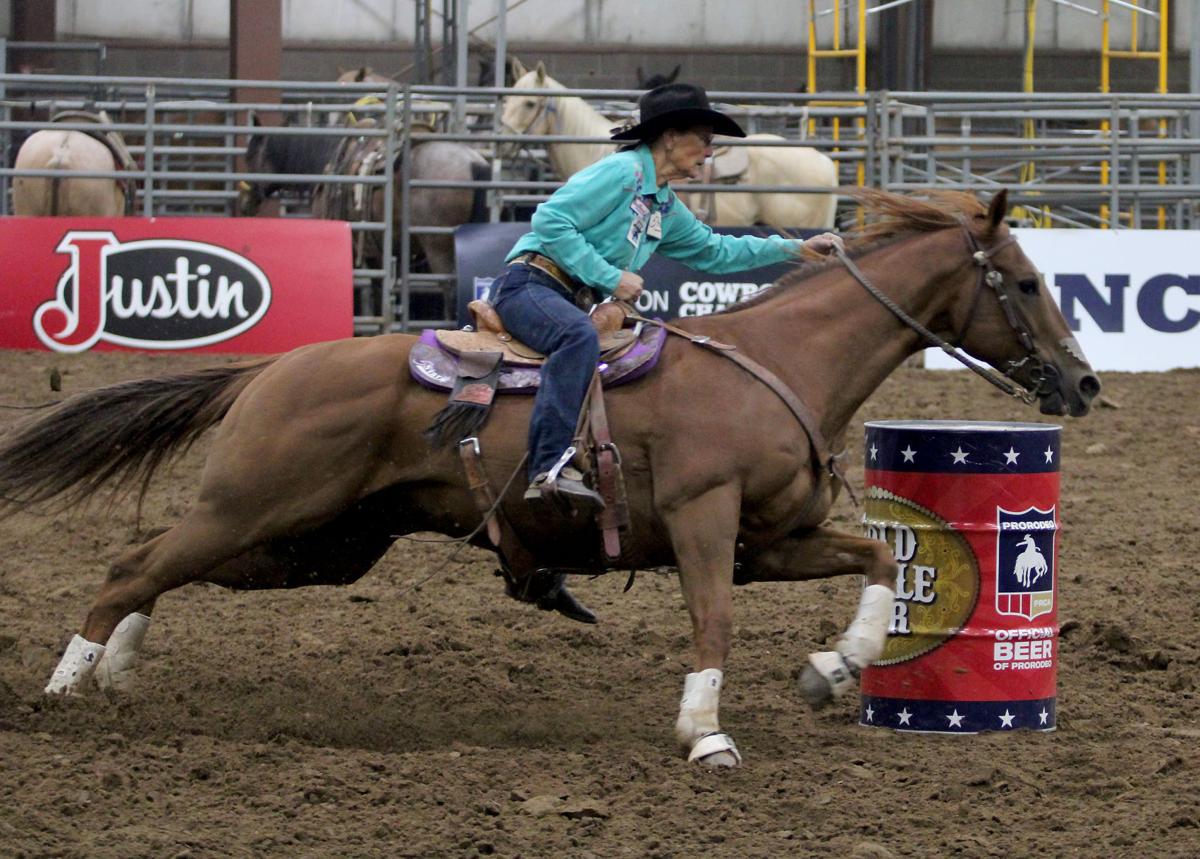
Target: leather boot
[[560, 599], [549, 592]]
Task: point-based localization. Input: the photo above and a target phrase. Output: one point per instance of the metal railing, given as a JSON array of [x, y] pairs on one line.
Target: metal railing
[[189, 136]]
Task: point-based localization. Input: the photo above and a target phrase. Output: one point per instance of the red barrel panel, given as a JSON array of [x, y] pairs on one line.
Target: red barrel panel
[[971, 511]]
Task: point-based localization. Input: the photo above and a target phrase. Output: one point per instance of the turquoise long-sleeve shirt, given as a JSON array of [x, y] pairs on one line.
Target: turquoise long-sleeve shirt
[[612, 216]]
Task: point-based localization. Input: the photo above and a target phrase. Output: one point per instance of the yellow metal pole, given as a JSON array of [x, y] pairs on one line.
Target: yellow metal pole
[[1104, 81], [1163, 47], [1029, 170]]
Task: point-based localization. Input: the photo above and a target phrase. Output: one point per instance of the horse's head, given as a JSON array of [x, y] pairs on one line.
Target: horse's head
[[527, 113], [1004, 314], [658, 79]]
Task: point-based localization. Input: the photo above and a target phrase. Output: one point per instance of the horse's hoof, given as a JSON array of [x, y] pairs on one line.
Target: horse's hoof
[[815, 689], [716, 751]]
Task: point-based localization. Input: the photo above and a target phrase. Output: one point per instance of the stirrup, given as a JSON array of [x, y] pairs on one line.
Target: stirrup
[[564, 487]]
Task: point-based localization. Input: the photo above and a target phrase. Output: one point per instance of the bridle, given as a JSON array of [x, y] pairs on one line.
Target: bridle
[[548, 106], [1043, 374]]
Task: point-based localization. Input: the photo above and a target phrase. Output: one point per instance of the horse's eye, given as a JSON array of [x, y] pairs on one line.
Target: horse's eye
[[1028, 285], [529, 102]]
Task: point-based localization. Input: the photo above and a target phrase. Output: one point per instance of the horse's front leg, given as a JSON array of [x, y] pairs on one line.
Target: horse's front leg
[[822, 553], [704, 533]]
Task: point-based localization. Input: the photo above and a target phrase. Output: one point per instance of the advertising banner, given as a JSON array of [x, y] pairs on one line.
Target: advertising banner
[[254, 285], [672, 289], [1132, 297]]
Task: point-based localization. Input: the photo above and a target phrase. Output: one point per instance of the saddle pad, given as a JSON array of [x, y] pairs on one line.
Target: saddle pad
[[435, 367], [515, 352], [730, 162]]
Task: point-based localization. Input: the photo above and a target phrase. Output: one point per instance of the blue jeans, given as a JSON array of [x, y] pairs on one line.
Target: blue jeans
[[536, 310]]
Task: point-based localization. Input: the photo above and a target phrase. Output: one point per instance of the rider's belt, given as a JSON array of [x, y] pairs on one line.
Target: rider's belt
[[583, 296]]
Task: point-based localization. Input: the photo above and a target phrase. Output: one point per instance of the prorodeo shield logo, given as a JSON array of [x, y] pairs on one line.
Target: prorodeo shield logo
[[1025, 561], [150, 294], [937, 583]]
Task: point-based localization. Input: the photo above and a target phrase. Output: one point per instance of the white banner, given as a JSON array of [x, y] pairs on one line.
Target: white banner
[[1132, 297]]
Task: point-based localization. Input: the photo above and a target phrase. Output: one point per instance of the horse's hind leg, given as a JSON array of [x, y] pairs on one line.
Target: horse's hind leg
[[337, 553], [137, 578], [824, 553]]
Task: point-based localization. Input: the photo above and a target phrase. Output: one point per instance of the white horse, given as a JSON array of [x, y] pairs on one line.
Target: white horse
[[767, 165], [55, 149]]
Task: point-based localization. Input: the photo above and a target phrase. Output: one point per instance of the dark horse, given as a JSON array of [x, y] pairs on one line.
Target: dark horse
[[319, 459], [351, 154]]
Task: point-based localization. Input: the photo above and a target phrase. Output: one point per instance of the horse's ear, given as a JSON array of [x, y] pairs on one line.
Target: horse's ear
[[518, 68], [541, 71], [254, 120], [674, 74], [363, 71], [998, 208]]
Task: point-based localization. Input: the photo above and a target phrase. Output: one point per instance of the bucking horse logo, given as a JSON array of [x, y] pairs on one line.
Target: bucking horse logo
[[1025, 561]]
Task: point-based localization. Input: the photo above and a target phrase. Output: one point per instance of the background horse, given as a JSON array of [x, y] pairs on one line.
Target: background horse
[[429, 207], [285, 154], [320, 461], [52, 149], [766, 165], [657, 79]]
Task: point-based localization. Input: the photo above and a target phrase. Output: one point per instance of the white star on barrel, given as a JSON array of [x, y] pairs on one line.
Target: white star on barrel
[[955, 719], [1006, 719], [1010, 456], [1049, 454], [960, 455], [909, 453], [904, 716]]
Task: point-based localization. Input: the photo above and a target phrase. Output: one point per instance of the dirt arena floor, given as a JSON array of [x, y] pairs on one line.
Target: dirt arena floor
[[450, 721]]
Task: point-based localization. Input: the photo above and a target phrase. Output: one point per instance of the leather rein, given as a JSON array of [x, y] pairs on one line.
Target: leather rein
[[991, 278]]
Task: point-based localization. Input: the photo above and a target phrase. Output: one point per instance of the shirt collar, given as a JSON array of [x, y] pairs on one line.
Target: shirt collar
[[650, 179]]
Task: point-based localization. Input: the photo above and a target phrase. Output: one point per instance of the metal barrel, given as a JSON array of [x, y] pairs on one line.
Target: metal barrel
[[971, 511]]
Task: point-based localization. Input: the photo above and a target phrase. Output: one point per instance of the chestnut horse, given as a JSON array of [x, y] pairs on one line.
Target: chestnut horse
[[319, 459], [54, 149]]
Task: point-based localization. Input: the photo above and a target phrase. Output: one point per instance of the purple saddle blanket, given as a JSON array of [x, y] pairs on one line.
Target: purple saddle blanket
[[435, 368]]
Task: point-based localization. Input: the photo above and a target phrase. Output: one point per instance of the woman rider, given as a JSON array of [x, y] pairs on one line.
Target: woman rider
[[587, 243]]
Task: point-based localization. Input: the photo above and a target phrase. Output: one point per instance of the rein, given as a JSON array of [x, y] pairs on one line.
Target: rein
[[989, 277], [828, 462]]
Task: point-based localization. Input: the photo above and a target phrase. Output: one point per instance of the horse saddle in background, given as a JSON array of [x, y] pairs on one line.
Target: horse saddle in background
[[111, 140], [728, 164], [355, 156], [726, 167]]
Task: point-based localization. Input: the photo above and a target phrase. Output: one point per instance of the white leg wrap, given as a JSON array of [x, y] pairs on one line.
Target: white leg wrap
[[76, 666], [862, 643], [116, 668], [699, 705]]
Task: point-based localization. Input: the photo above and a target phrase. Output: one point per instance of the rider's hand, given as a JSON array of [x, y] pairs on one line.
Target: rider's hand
[[824, 243], [629, 287]]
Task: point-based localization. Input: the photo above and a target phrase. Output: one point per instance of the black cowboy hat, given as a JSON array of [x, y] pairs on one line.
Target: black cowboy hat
[[677, 106]]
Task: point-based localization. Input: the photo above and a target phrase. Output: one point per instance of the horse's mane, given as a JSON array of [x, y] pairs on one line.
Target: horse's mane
[[890, 217]]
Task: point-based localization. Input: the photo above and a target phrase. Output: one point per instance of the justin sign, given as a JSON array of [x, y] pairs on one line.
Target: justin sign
[[204, 284]]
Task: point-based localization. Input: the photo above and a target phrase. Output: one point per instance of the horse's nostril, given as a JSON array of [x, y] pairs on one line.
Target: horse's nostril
[[1089, 386]]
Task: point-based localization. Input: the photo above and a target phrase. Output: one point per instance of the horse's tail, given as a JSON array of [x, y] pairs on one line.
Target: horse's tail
[[481, 171], [60, 160], [118, 434]]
